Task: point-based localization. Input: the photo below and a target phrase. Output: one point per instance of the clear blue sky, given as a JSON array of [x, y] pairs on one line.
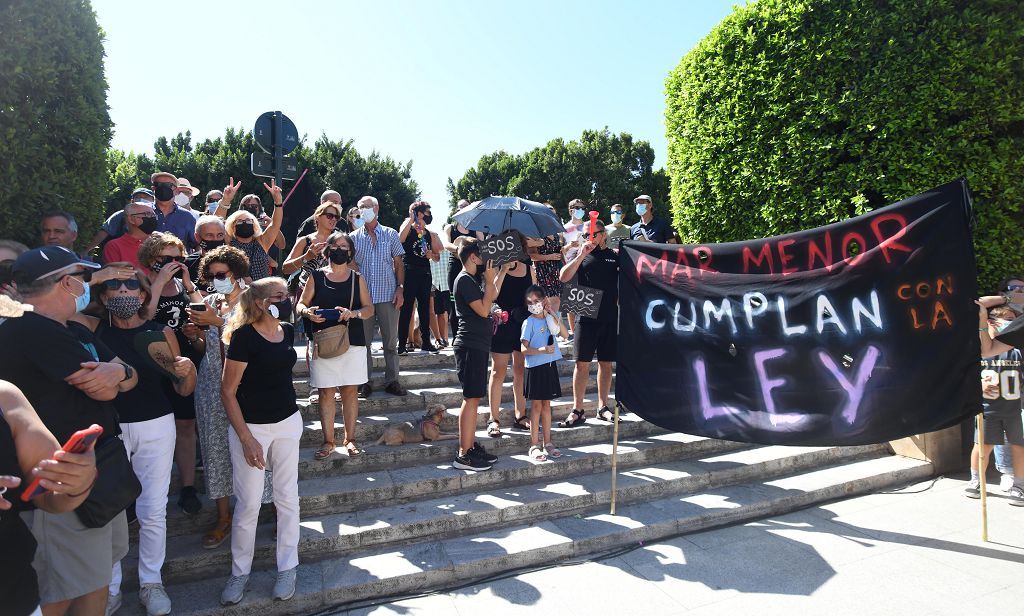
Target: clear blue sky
[[439, 83]]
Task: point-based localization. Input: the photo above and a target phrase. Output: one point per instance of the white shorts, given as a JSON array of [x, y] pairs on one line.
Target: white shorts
[[349, 368]]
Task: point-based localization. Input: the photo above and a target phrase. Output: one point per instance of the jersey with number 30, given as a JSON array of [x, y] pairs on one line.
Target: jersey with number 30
[[1005, 371]]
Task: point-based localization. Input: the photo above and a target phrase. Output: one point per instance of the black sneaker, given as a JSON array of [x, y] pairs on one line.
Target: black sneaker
[[403, 349], [470, 463], [429, 348], [188, 501], [477, 451], [365, 390]]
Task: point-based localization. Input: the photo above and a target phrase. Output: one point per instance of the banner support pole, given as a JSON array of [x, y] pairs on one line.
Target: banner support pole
[[981, 476], [615, 452]]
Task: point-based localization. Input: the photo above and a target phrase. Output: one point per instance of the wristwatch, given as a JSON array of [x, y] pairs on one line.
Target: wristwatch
[[128, 373]]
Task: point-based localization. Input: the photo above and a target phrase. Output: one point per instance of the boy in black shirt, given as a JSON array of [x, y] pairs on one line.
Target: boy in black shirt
[[472, 348], [598, 267]]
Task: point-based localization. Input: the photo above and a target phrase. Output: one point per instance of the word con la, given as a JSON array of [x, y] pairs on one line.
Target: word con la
[[753, 311]]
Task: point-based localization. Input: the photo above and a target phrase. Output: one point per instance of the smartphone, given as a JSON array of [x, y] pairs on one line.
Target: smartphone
[[331, 314], [197, 306], [78, 443]]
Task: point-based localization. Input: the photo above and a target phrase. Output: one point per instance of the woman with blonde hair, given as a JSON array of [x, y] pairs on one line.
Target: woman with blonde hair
[[266, 426], [345, 298], [246, 234]]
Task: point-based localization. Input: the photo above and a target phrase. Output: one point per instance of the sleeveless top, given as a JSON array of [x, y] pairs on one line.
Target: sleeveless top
[[512, 295], [259, 262], [455, 265], [328, 294], [19, 589], [170, 310], [416, 247]]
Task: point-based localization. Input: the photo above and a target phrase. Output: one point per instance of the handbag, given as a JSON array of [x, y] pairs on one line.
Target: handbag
[[116, 485], [332, 341]]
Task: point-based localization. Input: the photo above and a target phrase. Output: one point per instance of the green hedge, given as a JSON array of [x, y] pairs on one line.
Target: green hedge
[[792, 114], [54, 125]]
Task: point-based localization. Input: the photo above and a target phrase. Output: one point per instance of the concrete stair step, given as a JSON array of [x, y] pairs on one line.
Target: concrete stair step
[[728, 494], [398, 474]]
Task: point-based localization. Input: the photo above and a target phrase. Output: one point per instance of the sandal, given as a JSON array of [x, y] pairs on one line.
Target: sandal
[[606, 414], [494, 428], [353, 449], [537, 454], [325, 450], [575, 418], [217, 534], [521, 423], [552, 451]]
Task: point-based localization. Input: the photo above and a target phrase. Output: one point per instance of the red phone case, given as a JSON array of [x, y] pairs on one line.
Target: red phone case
[[78, 443]]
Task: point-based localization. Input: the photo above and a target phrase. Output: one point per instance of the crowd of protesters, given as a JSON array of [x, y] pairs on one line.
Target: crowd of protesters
[[178, 340]]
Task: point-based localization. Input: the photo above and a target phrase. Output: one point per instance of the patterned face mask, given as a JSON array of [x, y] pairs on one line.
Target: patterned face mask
[[124, 306]]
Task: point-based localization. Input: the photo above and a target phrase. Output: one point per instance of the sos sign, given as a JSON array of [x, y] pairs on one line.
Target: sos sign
[[584, 301], [502, 248]]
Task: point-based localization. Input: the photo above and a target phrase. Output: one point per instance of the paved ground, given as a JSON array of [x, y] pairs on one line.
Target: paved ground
[[913, 552]]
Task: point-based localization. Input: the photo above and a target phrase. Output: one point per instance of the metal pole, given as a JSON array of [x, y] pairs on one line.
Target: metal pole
[[278, 147], [615, 453], [981, 477]]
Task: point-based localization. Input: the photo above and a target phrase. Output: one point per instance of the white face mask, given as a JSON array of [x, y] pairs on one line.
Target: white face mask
[[225, 286], [536, 308], [616, 217], [181, 200], [641, 209], [367, 215], [577, 214]]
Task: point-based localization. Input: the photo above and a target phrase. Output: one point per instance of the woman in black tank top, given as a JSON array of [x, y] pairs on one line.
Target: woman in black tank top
[[421, 247]]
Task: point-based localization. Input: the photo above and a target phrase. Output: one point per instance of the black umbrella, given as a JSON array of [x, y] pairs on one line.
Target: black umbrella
[[497, 214]]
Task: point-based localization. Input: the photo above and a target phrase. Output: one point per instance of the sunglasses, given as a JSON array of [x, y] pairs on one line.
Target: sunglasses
[[219, 275], [171, 184], [212, 199], [132, 284], [165, 259], [1015, 287], [141, 215], [330, 215]]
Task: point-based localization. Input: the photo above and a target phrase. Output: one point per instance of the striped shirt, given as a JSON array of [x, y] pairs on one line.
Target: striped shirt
[[439, 271], [376, 260]]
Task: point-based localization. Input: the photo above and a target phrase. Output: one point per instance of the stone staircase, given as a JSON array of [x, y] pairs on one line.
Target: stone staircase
[[397, 520]]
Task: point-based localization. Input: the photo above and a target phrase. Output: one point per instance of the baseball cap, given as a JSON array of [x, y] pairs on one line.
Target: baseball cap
[[151, 200], [643, 198], [45, 261]]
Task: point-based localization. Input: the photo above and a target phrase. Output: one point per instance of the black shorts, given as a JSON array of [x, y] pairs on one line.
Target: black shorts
[[471, 365], [508, 337], [998, 426], [595, 338], [441, 299]]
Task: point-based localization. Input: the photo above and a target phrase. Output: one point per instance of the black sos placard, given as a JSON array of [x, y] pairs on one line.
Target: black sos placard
[[502, 248], [584, 301]]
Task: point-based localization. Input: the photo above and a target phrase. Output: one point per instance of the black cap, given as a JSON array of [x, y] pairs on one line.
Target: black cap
[[39, 263]]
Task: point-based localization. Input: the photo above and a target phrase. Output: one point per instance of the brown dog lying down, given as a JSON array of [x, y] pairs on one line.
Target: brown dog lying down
[[426, 428]]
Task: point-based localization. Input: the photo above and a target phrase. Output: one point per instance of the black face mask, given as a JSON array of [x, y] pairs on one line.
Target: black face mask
[[429, 218], [208, 245], [148, 225], [245, 230], [164, 192], [340, 257]]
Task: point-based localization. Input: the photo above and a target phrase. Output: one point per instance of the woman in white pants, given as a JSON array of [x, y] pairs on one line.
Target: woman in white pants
[[147, 426], [259, 399]]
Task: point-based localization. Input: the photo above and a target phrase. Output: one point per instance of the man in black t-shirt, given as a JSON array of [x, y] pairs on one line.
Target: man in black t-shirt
[[68, 377], [474, 292], [651, 228], [597, 266]]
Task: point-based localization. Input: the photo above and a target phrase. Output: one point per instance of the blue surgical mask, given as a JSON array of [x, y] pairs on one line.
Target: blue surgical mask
[[225, 286], [81, 301], [641, 209], [367, 214], [358, 223], [616, 217], [578, 214]]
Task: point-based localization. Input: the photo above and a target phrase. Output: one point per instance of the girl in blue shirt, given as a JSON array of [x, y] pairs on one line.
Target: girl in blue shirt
[[542, 353]]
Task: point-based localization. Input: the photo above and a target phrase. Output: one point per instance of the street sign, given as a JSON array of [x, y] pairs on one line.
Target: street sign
[[263, 133], [262, 164]]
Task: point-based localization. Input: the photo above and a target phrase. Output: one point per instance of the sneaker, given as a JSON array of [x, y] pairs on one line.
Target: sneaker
[[973, 489], [284, 588], [234, 590], [365, 390], [537, 454], [403, 349], [478, 451], [1005, 483], [155, 599], [429, 348], [188, 501], [113, 603], [552, 451], [1016, 496], [470, 463], [395, 388]]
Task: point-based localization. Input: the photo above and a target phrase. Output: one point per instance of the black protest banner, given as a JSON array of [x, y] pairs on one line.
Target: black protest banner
[[859, 332], [584, 301], [502, 248]]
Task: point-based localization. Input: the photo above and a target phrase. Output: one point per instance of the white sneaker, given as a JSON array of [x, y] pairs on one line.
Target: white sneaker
[[155, 599], [234, 590], [1005, 483], [284, 588], [113, 603]]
